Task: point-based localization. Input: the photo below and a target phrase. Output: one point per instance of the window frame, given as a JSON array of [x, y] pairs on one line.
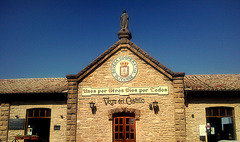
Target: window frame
[[219, 112]]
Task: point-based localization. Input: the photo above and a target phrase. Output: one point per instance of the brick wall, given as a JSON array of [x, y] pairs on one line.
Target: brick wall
[[4, 115]]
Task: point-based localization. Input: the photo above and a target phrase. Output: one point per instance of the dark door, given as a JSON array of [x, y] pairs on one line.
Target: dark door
[[40, 127], [39, 119], [124, 129]]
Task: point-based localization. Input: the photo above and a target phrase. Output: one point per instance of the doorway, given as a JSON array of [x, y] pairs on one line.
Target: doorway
[[38, 120], [221, 121], [124, 129]]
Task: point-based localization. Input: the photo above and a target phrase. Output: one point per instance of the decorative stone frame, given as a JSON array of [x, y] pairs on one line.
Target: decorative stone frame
[[124, 110]]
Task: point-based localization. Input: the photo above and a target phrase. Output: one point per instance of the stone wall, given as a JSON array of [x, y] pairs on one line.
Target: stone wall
[[72, 111], [179, 107], [197, 106], [4, 115], [149, 127], [58, 108]]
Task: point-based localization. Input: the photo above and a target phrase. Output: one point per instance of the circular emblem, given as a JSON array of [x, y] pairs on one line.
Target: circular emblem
[[124, 68]]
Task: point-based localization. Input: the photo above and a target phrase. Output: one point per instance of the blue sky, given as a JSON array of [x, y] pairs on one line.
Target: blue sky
[[53, 38]]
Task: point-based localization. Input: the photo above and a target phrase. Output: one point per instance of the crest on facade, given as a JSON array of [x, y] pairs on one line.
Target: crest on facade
[[124, 68]]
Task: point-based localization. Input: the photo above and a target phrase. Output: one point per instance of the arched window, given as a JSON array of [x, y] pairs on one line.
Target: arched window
[[221, 121]]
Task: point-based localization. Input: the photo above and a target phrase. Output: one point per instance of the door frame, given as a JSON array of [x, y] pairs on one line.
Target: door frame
[[38, 113], [215, 112]]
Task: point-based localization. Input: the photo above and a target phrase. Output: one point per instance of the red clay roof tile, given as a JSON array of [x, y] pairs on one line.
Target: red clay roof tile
[[33, 85], [214, 82]]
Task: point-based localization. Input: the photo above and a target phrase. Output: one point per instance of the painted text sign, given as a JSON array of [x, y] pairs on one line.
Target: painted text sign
[[128, 101], [161, 90]]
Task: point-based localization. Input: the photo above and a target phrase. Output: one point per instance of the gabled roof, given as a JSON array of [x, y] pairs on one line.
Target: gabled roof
[[216, 82], [135, 49], [33, 85]]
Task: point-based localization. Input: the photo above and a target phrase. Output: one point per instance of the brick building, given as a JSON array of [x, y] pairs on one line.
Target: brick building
[[123, 95]]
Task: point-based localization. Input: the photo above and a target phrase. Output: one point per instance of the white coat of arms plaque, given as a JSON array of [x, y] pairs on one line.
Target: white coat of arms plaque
[[124, 68]]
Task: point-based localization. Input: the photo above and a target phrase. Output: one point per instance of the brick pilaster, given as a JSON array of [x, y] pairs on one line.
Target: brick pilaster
[[179, 109], [4, 116], [72, 110]]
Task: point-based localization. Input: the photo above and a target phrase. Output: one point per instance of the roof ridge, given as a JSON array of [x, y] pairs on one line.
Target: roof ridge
[[152, 58], [71, 76], [132, 45], [212, 74]]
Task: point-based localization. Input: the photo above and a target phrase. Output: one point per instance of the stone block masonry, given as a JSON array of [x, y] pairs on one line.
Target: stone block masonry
[[197, 107], [58, 117], [149, 126], [179, 114], [72, 111], [4, 115]]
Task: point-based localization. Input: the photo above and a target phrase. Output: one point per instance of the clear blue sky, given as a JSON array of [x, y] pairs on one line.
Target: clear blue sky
[[53, 38]]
